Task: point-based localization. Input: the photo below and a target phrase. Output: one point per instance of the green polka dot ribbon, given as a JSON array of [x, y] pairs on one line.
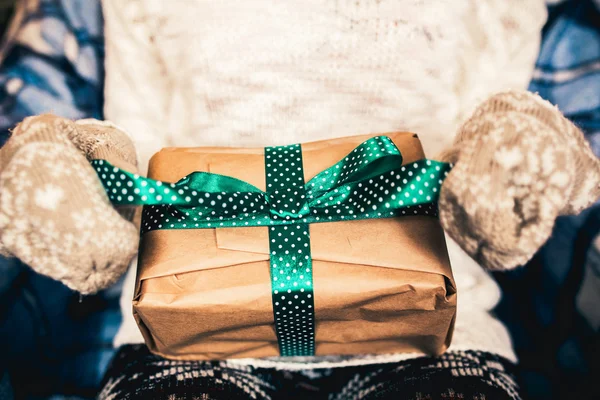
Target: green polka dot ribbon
[[291, 264], [368, 183]]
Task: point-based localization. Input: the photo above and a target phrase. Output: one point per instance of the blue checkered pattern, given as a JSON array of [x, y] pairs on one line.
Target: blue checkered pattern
[[568, 67]]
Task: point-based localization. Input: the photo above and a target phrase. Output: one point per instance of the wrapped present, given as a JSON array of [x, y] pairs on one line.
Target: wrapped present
[[325, 248]]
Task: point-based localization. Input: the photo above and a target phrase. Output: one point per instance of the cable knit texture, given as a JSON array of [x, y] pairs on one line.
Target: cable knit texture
[[53, 213], [263, 73]]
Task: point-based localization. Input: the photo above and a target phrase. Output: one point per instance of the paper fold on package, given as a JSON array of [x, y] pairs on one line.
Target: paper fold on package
[[380, 285]]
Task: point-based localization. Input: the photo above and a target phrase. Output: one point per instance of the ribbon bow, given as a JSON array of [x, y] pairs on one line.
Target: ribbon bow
[[370, 182]]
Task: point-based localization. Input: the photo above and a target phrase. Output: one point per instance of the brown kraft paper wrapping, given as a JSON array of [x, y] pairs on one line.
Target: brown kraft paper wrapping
[[380, 285]]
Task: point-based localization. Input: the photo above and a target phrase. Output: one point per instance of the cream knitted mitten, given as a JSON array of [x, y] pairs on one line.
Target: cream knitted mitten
[[519, 164], [54, 213]]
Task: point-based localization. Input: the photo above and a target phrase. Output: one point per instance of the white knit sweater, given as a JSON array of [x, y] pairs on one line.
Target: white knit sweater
[[259, 72]]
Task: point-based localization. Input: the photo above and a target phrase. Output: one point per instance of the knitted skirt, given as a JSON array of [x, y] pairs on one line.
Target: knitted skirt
[[135, 373]]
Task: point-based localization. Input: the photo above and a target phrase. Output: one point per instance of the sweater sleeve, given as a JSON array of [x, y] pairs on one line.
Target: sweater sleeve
[[136, 88]]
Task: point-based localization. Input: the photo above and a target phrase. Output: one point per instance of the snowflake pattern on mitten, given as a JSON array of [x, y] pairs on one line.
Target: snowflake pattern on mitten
[[54, 213]]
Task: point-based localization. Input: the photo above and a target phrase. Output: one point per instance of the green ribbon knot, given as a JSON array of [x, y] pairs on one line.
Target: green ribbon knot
[[368, 183]]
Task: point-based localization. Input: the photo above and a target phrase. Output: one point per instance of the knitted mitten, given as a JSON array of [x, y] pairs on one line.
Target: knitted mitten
[[54, 213], [518, 165]]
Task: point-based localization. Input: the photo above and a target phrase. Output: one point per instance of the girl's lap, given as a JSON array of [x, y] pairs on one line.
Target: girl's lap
[[137, 374]]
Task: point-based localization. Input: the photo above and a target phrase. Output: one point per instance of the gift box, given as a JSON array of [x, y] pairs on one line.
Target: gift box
[[369, 268]]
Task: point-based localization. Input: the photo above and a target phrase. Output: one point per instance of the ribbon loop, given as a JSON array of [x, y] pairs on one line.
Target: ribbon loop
[[371, 158]]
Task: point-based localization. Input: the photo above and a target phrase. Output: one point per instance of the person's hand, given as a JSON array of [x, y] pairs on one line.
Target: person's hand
[[519, 164], [54, 213]]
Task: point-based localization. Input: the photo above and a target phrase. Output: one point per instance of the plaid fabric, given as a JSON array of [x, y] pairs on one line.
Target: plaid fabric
[[568, 67], [470, 375], [551, 306], [52, 61]]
